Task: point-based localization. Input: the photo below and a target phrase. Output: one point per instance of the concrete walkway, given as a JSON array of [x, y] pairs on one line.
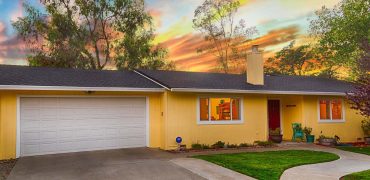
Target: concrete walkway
[[347, 164], [209, 170]]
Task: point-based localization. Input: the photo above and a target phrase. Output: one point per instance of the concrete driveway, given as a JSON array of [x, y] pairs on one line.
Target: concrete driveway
[[134, 163]]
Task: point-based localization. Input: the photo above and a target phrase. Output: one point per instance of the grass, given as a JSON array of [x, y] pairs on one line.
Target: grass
[[269, 164], [359, 175], [362, 150]]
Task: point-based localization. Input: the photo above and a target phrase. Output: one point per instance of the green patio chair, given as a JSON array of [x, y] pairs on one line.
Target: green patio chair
[[297, 131]]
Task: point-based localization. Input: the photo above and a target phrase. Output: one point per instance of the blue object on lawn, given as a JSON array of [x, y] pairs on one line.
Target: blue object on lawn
[[297, 131], [178, 140]]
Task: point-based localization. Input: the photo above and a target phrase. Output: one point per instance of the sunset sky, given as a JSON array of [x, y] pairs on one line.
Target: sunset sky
[[278, 22]]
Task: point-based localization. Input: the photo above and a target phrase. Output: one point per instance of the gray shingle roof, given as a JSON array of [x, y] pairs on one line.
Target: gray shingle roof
[[180, 79], [43, 76]]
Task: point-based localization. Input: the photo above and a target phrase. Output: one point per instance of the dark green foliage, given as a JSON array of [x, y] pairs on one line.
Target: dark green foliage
[[232, 145], [219, 144], [196, 146], [342, 35], [264, 143], [245, 145], [205, 146]]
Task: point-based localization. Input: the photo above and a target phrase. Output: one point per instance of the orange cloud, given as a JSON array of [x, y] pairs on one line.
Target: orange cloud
[[183, 50]]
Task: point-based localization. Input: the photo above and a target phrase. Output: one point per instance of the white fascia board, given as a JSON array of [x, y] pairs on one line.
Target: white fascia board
[[73, 88], [256, 91]]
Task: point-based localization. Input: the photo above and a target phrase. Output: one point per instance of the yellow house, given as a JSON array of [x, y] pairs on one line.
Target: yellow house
[[49, 110]]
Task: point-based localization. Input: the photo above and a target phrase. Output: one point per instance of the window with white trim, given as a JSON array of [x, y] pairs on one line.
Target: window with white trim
[[219, 110], [331, 110]]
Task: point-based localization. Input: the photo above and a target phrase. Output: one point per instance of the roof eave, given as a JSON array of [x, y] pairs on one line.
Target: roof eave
[[257, 91], [74, 88]]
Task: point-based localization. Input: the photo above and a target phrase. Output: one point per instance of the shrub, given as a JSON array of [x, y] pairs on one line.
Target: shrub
[[196, 146], [219, 144], [232, 145], [205, 146], [245, 145], [307, 131], [264, 143]]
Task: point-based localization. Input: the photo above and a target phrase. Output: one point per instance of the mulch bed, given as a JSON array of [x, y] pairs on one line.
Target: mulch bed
[[5, 167]]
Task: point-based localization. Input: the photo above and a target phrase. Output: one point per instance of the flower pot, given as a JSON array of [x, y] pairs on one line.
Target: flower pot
[[276, 138], [367, 140], [327, 141], [310, 138]]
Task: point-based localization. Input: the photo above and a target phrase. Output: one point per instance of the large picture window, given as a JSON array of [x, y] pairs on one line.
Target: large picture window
[[219, 110], [331, 110]]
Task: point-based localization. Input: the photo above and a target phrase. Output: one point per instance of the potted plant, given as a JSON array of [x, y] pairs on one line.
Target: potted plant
[[275, 135], [309, 138], [326, 140], [365, 125]]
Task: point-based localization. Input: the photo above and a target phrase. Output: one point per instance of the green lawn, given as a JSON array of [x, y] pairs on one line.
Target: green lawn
[[359, 175], [269, 164], [362, 150]]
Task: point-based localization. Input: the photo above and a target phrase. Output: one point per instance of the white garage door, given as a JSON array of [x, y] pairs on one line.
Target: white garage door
[[71, 124]]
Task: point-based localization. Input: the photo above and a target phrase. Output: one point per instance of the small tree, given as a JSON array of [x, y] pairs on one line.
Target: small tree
[[291, 60], [216, 20]]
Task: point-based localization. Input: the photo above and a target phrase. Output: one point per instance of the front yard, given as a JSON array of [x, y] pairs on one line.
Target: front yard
[[269, 164]]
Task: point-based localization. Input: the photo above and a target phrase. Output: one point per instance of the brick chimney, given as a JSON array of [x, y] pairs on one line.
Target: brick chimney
[[255, 67]]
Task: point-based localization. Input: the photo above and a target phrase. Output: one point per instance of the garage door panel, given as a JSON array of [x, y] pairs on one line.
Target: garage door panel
[[57, 125], [30, 114]]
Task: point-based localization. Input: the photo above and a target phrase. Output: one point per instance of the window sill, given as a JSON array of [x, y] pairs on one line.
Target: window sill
[[219, 122], [332, 121]]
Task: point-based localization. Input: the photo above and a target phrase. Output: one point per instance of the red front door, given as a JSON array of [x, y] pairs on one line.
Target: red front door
[[274, 114]]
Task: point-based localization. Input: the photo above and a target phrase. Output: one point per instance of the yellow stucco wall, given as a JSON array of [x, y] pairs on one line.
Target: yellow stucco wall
[[291, 113], [8, 116], [304, 110], [182, 121], [348, 131]]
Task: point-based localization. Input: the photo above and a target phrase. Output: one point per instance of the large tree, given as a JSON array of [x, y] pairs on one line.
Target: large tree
[[292, 60], [341, 33], [89, 34], [216, 20]]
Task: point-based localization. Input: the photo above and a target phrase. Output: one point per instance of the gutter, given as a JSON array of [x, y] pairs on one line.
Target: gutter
[[74, 88], [256, 91]]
